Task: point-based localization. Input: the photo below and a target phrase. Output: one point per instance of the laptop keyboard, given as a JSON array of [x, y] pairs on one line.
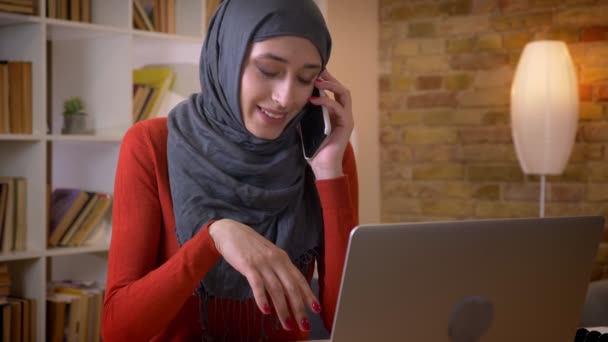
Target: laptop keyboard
[[584, 335]]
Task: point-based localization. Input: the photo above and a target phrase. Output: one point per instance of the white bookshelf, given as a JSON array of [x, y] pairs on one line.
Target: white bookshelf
[[93, 61]]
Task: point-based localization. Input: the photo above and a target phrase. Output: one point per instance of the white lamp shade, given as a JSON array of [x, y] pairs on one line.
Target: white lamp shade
[[544, 108]]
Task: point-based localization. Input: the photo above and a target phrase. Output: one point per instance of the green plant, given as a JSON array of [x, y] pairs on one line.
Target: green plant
[[72, 106]]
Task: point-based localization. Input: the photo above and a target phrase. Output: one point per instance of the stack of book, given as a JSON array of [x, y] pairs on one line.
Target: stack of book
[[13, 203], [15, 97], [76, 215], [154, 15], [5, 281], [150, 88], [18, 6], [75, 10], [74, 311], [17, 315]]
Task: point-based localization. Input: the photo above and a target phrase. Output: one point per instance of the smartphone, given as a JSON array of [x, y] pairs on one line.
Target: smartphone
[[315, 127]]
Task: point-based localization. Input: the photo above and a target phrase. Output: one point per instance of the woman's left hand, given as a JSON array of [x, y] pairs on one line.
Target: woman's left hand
[[328, 161]]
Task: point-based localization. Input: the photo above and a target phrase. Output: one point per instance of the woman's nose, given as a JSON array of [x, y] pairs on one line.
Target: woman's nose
[[283, 94]]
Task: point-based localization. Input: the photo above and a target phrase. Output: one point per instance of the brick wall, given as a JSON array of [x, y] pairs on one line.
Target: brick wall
[[446, 69]]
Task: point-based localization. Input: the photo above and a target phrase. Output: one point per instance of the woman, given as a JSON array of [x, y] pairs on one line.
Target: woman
[[218, 220]]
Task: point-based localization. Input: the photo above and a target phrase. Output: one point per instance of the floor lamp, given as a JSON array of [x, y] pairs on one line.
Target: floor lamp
[[544, 110]]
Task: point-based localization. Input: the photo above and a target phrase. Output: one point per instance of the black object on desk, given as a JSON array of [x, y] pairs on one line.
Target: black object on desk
[[581, 333], [593, 336], [584, 335]]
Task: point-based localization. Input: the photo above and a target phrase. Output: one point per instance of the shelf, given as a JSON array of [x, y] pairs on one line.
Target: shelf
[[24, 255], [20, 137], [14, 18], [155, 36], [74, 30], [117, 138], [58, 251], [59, 30]]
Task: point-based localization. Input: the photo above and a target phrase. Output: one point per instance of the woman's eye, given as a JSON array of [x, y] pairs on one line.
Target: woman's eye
[[306, 81], [267, 73]]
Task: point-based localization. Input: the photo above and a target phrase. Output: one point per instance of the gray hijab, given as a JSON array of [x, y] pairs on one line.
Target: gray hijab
[[218, 169]]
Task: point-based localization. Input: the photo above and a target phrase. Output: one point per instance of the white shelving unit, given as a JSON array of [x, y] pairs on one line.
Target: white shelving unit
[[93, 61]]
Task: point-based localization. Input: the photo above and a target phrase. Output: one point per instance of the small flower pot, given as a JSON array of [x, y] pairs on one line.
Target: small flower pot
[[75, 124]]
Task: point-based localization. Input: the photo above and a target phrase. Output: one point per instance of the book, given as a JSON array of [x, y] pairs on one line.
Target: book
[[16, 92], [26, 98], [184, 84], [157, 12], [92, 304], [55, 319], [32, 318], [3, 198], [63, 9], [85, 11], [158, 77], [19, 2], [170, 16], [75, 10], [5, 320], [16, 110], [4, 99], [74, 315], [77, 223], [92, 222], [9, 215], [51, 8], [146, 106], [20, 214], [65, 206], [16, 308], [140, 95], [140, 13], [138, 21], [20, 318], [22, 9]]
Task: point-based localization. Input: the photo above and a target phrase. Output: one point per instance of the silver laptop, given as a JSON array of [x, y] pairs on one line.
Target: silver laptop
[[489, 280]]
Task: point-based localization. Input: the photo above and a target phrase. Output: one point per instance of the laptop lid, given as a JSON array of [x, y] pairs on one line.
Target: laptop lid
[[505, 280]]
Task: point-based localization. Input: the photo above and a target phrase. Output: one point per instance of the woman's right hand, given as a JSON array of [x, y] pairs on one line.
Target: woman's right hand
[[268, 269]]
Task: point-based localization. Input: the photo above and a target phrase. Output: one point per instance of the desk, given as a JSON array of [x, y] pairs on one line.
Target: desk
[[603, 330]]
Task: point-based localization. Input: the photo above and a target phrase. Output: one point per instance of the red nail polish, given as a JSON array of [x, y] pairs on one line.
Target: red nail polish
[[266, 309], [305, 324], [316, 307], [290, 323], [314, 97]]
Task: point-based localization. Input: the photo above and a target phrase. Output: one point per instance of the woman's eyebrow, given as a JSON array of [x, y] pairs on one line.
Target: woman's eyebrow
[[284, 60]]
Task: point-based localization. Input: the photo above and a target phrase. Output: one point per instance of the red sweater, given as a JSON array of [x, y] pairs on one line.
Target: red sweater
[[149, 294]]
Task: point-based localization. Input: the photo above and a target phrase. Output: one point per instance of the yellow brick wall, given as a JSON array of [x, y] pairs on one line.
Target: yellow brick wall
[[445, 74]]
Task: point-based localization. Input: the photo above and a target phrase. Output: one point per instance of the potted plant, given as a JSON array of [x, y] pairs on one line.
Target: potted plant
[[74, 117]]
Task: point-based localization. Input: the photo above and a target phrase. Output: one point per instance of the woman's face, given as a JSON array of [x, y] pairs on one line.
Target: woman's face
[[277, 81]]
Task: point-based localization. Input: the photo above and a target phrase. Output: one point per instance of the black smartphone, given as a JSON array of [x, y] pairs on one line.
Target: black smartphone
[[315, 127]]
